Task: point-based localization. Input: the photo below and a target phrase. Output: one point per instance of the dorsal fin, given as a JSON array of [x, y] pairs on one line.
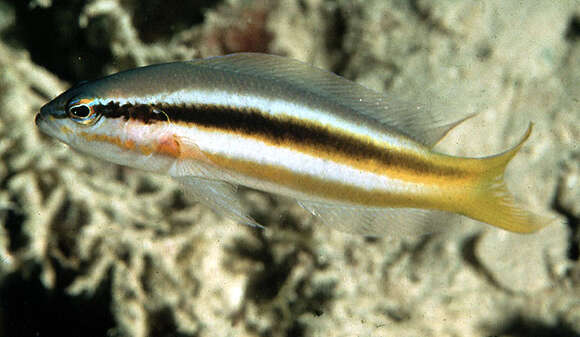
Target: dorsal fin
[[416, 120]]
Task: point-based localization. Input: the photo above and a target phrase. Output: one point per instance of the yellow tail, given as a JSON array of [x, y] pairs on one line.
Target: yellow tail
[[491, 202]]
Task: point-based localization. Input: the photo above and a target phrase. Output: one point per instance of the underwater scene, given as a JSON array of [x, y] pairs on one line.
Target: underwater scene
[[289, 168]]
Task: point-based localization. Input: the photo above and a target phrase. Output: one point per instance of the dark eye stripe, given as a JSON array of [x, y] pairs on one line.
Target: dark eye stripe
[[255, 123]]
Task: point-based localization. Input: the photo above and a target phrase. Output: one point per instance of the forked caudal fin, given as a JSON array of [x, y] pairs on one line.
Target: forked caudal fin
[[491, 202]]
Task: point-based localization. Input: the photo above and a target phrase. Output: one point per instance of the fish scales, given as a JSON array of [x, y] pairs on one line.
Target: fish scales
[[284, 127]]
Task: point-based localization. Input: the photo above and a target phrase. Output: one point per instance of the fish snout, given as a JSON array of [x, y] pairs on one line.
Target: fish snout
[[48, 119], [39, 119]]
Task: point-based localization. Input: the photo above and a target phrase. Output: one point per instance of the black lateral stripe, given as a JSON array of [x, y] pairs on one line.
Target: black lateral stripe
[[253, 122]]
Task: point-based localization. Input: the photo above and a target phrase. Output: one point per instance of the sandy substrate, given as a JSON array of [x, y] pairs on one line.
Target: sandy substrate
[[92, 249]]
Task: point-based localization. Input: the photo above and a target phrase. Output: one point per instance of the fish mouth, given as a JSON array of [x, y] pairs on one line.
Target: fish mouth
[[42, 122], [46, 124], [47, 120], [39, 119]]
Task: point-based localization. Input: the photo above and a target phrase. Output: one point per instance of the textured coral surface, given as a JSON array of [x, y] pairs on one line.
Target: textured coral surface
[[88, 248]]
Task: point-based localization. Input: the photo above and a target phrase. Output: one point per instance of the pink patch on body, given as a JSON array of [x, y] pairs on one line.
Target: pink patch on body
[[169, 145], [172, 145]]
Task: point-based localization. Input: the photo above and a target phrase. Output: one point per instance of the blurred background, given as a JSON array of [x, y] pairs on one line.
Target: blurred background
[[88, 248]]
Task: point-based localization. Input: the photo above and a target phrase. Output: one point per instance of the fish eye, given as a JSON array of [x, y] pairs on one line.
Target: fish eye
[[82, 111]]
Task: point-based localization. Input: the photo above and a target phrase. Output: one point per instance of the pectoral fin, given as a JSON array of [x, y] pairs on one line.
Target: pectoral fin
[[219, 196]]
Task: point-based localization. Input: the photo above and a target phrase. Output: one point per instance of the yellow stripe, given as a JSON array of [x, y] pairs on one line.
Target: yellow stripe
[[335, 191], [470, 169], [115, 140], [408, 164]]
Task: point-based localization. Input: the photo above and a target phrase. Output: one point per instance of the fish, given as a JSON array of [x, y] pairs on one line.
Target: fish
[[359, 160]]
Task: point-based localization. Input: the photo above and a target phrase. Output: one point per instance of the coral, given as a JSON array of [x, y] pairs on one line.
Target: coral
[[101, 249]]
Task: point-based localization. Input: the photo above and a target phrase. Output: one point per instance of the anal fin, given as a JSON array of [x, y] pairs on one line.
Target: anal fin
[[397, 222]]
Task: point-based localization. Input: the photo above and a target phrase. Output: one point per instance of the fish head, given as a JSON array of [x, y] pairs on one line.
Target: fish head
[[70, 114], [93, 107], [89, 121]]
